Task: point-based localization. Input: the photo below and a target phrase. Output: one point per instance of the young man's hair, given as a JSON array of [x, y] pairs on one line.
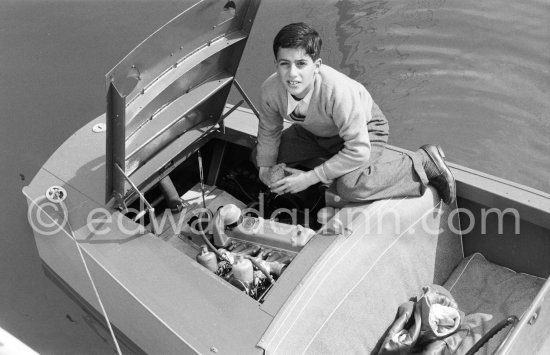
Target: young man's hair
[[298, 35]]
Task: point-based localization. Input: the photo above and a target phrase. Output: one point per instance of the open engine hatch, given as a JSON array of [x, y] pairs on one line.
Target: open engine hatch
[[166, 95]]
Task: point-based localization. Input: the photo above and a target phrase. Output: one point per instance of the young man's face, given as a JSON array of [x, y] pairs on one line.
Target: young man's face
[[296, 70]]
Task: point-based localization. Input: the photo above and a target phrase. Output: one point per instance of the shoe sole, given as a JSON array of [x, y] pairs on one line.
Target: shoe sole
[[446, 171]]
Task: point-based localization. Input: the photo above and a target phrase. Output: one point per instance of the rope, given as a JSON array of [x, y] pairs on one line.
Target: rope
[[94, 287]]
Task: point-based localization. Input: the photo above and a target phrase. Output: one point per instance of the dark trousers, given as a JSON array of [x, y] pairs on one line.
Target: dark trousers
[[378, 179]]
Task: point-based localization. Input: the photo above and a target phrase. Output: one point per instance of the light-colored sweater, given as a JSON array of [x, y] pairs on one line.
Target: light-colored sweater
[[339, 106]]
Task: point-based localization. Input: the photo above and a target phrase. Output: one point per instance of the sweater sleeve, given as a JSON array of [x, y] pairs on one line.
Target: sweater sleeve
[[270, 128], [350, 107]]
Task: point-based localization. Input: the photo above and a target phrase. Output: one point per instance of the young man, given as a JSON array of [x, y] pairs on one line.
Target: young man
[[334, 118]]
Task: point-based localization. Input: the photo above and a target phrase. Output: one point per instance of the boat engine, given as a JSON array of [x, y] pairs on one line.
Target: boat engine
[[249, 252]]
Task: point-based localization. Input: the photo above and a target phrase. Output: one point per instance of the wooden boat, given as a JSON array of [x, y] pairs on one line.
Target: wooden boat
[[113, 210]]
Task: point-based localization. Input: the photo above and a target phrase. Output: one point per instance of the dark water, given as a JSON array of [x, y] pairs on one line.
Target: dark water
[[53, 58], [471, 75]]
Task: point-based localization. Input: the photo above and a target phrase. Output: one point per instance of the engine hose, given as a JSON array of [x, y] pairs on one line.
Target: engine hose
[[212, 247], [260, 267], [317, 202], [252, 205], [207, 242]]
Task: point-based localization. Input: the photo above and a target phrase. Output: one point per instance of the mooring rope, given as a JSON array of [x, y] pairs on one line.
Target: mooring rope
[[93, 286]]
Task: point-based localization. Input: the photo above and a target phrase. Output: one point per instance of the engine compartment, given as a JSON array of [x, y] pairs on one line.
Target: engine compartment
[[252, 246]]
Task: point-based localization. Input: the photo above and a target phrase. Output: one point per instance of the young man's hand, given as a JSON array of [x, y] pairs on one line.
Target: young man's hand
[[298, 181]]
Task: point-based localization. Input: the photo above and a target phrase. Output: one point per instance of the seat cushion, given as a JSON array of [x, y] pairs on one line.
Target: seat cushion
[[480, 286]]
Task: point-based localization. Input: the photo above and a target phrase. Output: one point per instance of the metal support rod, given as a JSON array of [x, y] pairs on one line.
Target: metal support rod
[[246, 98], [201, 175], [236, 106], [150, 208]]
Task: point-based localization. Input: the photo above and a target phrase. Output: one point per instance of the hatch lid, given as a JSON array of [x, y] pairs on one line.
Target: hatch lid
[[170, 88]]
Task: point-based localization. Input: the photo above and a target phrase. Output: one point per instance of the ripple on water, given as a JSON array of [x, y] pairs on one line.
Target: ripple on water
[[471, 74]]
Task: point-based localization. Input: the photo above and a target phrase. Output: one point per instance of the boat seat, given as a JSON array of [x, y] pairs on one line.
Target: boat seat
[[480, 286], [389, 249]]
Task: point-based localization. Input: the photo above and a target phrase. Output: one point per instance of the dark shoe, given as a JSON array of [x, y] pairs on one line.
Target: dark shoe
[[443, 180]]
